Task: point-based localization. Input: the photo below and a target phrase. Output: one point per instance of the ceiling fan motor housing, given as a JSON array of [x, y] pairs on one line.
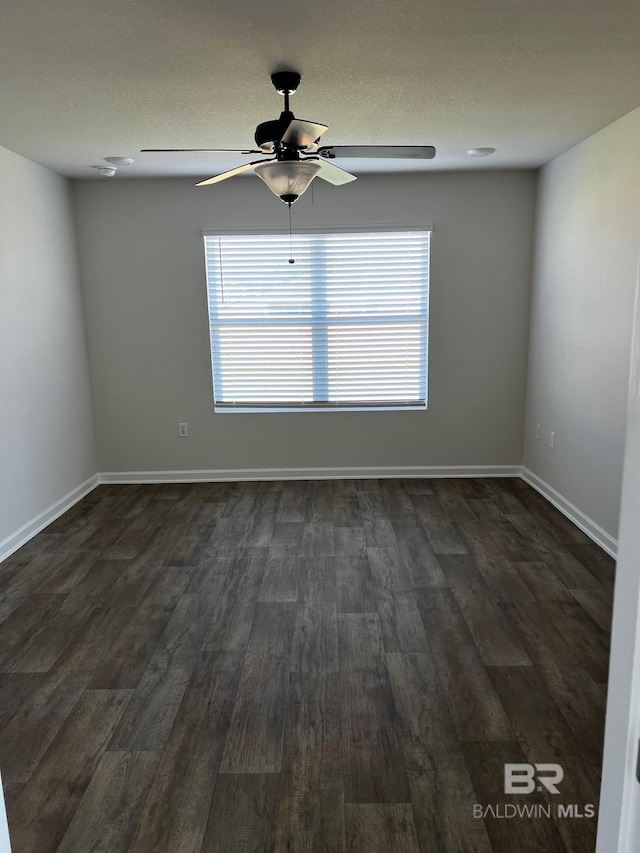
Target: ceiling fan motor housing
[[271, 132]]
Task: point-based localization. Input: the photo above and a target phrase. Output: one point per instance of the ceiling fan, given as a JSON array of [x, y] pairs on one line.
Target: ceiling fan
[[297, 158]]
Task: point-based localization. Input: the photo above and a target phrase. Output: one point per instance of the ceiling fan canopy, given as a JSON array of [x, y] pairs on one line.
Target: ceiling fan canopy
[[297, 159]]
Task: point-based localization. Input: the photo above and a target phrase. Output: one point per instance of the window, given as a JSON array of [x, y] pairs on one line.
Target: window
[[344, 327]]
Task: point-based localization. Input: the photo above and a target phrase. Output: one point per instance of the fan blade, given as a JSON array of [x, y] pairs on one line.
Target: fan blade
[[202, 150], [302, 134], [395, 152], [230, 174], [333, 174]]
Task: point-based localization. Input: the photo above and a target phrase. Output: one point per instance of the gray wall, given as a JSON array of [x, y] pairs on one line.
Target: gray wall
[[46, 431], [143, 277], [587, 237]]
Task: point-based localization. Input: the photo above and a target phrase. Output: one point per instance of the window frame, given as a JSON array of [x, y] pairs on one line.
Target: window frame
[[313, 407]]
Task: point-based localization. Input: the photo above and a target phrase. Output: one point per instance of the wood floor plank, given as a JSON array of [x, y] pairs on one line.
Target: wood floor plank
[[176, 811], [319, 503], [115, 583], [597, 562], [35, 723], [243, 814], [286, 540], [418, 555], [108, 813], [106, 534], [485, 509], [542, 731], [40, 817], [240, 501], [400, 620], [154, 705], [372, 504], [280, 580], [499, 573], [492, 634], [417, 485], [397, 501], [68, 573], [354, 585], [315, 635], [254, 743], [25, 619], [45, 642], [208, 513], [129, 654], [186, 548], [379, 532], [214, 566], [374, 768], [380, 828], [226, 535], [237, 595], [427, 727], [311, 801], [563, 530], [10, 601], [292, 502], [17, 690], [542, 582], [388, 569], [598, 604], [580, 700], [258, 530], [589, 645], [570, 571], [349, 542], [443, 799], [343, 488], [317, 539], [149, 716], [345, 509], [511, 543], [360, 641], [443, 537], [475, 707], [453, 502]]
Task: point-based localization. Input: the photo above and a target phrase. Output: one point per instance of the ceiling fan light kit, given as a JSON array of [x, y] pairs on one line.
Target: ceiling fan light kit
[[288, 179], [297, 159]]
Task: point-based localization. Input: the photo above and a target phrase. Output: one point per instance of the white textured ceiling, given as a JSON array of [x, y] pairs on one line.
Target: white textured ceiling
[[81, 80]]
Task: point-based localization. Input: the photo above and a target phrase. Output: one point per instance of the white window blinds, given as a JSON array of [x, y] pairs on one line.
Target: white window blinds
[[345, 326]]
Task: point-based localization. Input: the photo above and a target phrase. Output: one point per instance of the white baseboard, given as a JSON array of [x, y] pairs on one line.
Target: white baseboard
[[600, 536], [22, 535], [242, 474], [593, 530]]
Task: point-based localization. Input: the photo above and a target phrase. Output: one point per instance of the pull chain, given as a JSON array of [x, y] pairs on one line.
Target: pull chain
[[291, 259]]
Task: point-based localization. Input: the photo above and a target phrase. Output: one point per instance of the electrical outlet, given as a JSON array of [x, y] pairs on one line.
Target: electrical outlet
[[538, 431], [183, 430], [552, 439]]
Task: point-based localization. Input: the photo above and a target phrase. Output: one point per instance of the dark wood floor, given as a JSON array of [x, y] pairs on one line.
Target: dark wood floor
[[304, 667]]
